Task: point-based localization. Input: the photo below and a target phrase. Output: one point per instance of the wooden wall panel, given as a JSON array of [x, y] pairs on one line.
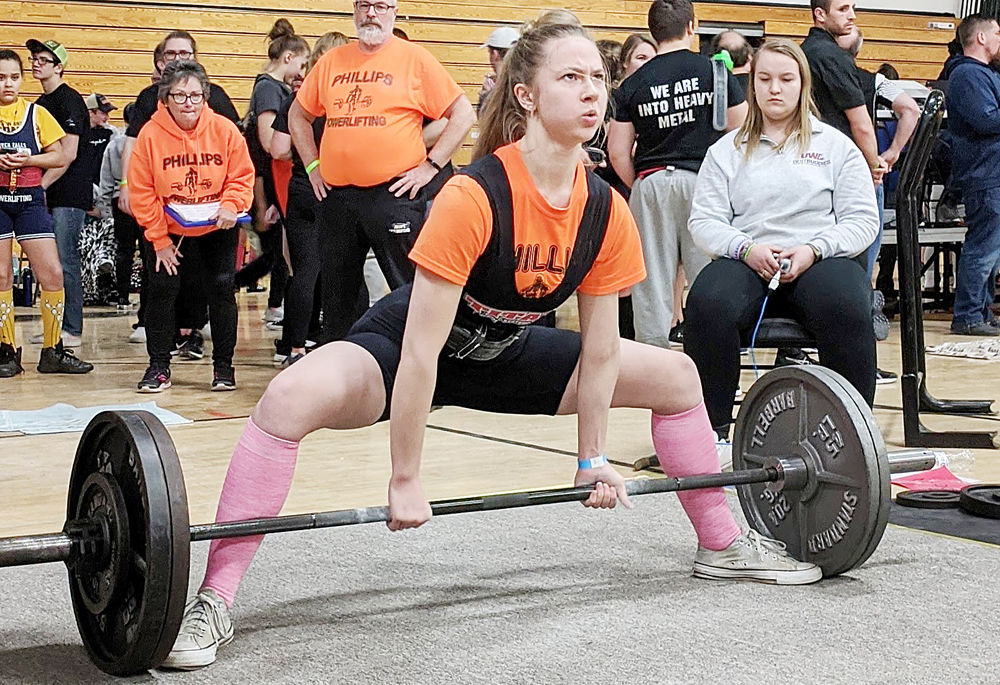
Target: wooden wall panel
[[111, 42]]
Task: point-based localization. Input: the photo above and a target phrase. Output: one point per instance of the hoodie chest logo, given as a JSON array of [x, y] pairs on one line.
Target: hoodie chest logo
[[192, 184], [192, 159]]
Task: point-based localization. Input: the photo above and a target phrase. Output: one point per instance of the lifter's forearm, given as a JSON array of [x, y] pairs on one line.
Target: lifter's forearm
[[411, 402]]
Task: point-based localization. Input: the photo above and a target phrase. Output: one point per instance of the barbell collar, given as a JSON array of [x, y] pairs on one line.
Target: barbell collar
[[905, 461]]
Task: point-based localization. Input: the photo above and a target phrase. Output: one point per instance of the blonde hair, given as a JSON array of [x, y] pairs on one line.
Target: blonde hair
[[324, 43], [750, 132], [502, 119]]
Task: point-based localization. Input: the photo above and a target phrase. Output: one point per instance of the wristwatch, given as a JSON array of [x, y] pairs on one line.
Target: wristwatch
[[817, 255]]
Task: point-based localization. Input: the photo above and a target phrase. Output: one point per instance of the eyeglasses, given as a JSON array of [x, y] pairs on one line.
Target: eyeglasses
[[42, 59], [379, 7], [171, 55], [181, 98]]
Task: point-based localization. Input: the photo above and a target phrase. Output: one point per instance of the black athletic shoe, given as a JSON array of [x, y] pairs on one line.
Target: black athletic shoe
[[10, 361], [676, 334], [885, 377], [291, 359], [193, 346], [179, 341], [154, 380], [224, 378], [58, 359], [793, 356]]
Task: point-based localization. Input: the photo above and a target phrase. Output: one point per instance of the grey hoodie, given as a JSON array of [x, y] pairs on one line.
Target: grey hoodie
[[785, 198]]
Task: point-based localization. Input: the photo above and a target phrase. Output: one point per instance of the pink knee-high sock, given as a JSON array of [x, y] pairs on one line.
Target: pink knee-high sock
[[257, 483], [685, 446]]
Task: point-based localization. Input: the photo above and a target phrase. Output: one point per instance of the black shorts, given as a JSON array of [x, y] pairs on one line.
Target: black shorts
[[23, 215], [529, 377]]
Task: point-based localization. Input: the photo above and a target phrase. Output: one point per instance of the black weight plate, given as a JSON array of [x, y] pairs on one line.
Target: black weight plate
[[136, 629], [100, 572], [837, 520], [928, 499], [881, 461], [981, 500]]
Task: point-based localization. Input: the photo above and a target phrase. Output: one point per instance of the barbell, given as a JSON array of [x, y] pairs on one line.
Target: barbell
[[811, 471]]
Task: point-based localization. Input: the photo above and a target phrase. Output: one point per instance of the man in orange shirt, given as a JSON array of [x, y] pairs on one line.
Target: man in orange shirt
[[372, 173]]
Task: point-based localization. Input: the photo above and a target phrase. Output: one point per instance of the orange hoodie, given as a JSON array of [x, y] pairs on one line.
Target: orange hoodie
[[210, 163]]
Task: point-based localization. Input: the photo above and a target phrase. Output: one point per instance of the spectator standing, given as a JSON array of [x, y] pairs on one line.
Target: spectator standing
[[974, 122], [69, 192], [500, 41], [287, 54], [664, 112], [303, 294], [879, 90], [214, 170], [837, 89], [192, 304], [636, 51], [30, 143], [740, 51], [101, 132], [372, 173], [128, 235]]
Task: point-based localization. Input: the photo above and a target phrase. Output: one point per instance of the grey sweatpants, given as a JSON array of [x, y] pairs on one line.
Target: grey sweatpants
[[661, 205]]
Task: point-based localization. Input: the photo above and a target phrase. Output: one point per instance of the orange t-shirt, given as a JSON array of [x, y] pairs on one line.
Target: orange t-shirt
[[458, 231], [375, 107]]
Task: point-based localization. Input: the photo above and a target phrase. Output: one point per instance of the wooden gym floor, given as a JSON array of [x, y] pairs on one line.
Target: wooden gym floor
[[466, 452]]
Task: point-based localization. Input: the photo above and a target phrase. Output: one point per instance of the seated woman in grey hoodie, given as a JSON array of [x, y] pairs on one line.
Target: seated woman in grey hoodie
[[784, 186]]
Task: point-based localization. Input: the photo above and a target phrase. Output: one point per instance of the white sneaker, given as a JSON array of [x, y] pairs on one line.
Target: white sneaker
[[724, 449], [68, 339], [138, 335], [206, 626], [274, 314], [754, 557]]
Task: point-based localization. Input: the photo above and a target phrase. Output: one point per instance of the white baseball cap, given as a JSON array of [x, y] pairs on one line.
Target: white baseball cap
[[502, 38]]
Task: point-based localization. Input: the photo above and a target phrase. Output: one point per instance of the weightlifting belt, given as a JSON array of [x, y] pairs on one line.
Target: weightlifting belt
[[472, 343], [28, 177]]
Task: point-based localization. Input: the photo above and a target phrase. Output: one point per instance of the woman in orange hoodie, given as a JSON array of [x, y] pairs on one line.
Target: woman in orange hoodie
[[190, 178]]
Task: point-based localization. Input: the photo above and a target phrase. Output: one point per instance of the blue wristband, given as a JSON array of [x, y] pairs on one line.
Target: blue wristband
[[593, 462]]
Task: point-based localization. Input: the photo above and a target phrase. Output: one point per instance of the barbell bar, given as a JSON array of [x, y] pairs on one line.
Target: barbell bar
[[811, 471], [55, 547]]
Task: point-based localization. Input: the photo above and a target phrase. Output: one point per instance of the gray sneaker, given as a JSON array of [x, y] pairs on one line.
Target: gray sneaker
[[206, 626], [754, 557]]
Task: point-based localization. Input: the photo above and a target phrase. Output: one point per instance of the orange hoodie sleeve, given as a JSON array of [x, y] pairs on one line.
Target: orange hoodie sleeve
[[147, 207], [237, 189]]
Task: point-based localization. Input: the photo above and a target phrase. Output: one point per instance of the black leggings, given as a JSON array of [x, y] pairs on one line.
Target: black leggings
[[217, 253], [350, 221], [128, 235], [270, 260], [832, 300], [304, 252]]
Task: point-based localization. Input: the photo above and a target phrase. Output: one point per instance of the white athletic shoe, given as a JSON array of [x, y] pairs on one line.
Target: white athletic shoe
[[724, 449], [274, 314], [68, 339], [754, 557], [206, 626], [138, 335]]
